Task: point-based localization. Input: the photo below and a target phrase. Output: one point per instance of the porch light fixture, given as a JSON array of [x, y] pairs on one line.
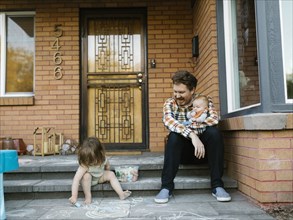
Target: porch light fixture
[[153, 63], [195, 49]]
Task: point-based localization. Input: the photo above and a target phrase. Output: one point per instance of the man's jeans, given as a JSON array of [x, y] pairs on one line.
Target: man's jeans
[[180, 150]]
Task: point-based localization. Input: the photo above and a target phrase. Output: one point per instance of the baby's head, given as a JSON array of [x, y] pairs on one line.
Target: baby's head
[[200, 103], [91, 152]]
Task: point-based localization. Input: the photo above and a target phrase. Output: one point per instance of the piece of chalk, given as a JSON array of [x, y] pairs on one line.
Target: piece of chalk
[[77, 204]]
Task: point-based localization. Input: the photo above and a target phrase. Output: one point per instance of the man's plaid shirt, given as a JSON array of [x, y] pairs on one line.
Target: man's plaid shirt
[[174, 116]]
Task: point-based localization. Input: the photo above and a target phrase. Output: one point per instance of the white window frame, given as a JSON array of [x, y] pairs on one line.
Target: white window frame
[[231, 58], [3, 56], [231, 53], [286, 47]]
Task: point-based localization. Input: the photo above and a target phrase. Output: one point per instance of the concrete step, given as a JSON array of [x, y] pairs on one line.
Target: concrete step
[[56, 167], [148, 183], [40, 177], [56, 172], [18, 189]]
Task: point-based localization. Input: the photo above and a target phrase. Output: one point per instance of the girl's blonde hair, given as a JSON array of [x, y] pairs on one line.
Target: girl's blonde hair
[[91, 153]]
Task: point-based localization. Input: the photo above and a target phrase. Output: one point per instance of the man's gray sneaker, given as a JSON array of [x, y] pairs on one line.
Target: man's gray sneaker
[[221, 195], [163, 196]]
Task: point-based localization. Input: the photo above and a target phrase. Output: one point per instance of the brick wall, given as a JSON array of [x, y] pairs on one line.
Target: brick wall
[[260, 157], [169, 42], [56, 102], [206, 65]]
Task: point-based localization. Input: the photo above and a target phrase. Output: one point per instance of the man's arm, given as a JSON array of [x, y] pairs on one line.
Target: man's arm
[[212, 118], [172, 123], [199, 150]]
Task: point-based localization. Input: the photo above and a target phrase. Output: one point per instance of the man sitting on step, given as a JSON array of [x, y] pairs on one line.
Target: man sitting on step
[[188, 144]]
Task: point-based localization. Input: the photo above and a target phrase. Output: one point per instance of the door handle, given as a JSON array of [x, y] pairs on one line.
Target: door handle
[[140, 78], [139, 75]]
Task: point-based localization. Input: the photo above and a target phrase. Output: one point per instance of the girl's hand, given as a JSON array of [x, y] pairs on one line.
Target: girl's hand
[[73, 199], [199, 150], [107, 166]]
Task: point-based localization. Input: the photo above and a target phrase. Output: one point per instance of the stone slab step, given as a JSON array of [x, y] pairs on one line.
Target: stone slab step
[[39, 166], [143, 172], [149, 183], [64, 167], [51, 176], [147, 161]]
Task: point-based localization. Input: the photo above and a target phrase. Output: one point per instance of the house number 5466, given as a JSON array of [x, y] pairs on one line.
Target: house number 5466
[[57, 57]]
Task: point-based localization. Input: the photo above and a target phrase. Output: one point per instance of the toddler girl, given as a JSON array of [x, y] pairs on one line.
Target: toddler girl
[[94, 168]]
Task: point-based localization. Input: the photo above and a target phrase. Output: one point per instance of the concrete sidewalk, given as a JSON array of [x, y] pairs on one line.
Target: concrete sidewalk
[[192, 205]]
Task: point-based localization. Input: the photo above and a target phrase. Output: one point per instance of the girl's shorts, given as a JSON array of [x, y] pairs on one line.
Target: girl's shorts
[[96, 180]]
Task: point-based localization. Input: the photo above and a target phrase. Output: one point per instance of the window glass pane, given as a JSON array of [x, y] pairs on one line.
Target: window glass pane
[[241, 61], [287, 46], [20, 46], [247, 53]]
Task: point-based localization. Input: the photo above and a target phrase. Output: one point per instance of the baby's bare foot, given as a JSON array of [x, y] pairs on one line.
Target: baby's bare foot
[[125, 195]]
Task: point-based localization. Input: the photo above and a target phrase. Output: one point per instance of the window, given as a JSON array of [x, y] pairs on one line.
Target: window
[[255, 56], [241, 54], [286, 14], [17, 54]]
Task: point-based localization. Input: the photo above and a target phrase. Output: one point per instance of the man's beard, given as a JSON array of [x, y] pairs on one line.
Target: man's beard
[[181, 102]]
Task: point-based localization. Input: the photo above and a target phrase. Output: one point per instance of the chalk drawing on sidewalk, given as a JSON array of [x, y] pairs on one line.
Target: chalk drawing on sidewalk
[[108, 210], [174, 215], [135, 201], [60, 214], [20, 213]]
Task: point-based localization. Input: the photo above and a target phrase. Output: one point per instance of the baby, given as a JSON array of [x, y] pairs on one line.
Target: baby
[[200, 109]]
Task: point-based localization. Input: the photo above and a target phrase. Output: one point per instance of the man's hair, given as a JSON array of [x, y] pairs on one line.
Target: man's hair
[[186, 78]]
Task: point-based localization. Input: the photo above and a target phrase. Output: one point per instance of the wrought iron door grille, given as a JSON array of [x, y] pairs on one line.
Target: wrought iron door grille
[[114, 77], [114, 45], [114, 110]]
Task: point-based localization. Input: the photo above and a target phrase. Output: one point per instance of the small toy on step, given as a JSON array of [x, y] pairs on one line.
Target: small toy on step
[[127, 173]]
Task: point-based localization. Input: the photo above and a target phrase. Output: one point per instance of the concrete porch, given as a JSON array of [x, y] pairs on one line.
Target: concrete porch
[[51, 176]]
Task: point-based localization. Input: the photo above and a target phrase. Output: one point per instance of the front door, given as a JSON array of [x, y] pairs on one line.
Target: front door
[[114, 77]]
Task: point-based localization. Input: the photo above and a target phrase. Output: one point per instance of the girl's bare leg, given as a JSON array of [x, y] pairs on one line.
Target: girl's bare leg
[[110, 176], [86, 186]]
